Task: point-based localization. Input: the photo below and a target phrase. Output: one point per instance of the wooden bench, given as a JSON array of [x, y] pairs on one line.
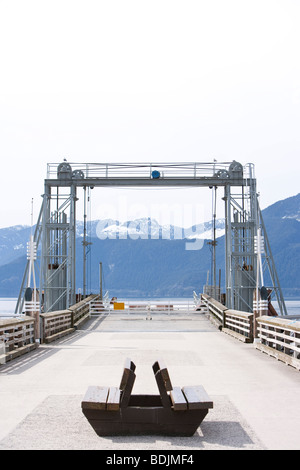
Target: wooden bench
[[111, 398], [175, 411], [186, 398]]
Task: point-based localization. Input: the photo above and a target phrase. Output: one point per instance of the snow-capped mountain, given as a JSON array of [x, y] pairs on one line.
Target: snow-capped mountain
[[13, 240], [146, 228], [154, 264], [285, 209]]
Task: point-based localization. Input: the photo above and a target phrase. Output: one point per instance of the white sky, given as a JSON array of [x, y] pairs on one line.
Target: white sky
[[147, 81]]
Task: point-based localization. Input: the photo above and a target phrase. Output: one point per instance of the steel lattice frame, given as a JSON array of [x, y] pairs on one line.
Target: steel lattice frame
[[57, 227]]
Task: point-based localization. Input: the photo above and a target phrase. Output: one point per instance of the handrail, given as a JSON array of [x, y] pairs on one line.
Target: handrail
[[17, 336], [280, 338], [234, 322], [81, 310], [191, 170], [239, 324], [215, 308], [56, 324], [62, 322]]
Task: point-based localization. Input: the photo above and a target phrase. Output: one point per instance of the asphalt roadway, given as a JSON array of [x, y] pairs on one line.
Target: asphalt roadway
[[256, 398]]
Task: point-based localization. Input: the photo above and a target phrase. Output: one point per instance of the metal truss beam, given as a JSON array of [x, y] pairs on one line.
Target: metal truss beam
[[146, 182]]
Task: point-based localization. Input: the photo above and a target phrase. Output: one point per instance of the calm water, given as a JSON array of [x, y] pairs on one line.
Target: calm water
[[292, 306], [7, 305]]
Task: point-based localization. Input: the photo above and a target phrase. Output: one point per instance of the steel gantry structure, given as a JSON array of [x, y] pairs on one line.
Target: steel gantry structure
[[56, 228]]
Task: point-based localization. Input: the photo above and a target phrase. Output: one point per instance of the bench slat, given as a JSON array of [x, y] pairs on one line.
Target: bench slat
[[178, 399], [165, 399], [113, 400], [126, 392], [160, 365], [95, 398], [197, 397], [127, 382], [129, 367]]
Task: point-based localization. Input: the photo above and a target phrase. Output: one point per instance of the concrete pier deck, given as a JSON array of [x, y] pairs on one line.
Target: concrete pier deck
[[256, 398]]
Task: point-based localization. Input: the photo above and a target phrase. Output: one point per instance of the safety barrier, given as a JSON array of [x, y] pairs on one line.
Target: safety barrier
[[279, 338], [102, 307], [54, 325], [17, 336], [97, 305], [81, 310], [239, 324], [215, 308], [234, 322]]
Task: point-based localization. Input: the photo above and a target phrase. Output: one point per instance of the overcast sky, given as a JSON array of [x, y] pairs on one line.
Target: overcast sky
[[147, 81]]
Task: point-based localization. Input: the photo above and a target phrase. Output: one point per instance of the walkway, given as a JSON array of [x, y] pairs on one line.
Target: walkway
[[256, 398]]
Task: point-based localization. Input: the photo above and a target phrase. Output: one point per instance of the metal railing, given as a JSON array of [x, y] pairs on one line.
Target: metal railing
[[151, 307], [98, 306], [141, 170], [17, 336], [105, 307]]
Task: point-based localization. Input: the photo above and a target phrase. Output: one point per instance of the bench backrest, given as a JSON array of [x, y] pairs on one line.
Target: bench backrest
[[163, 382], [194, 397], [127, 382]]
